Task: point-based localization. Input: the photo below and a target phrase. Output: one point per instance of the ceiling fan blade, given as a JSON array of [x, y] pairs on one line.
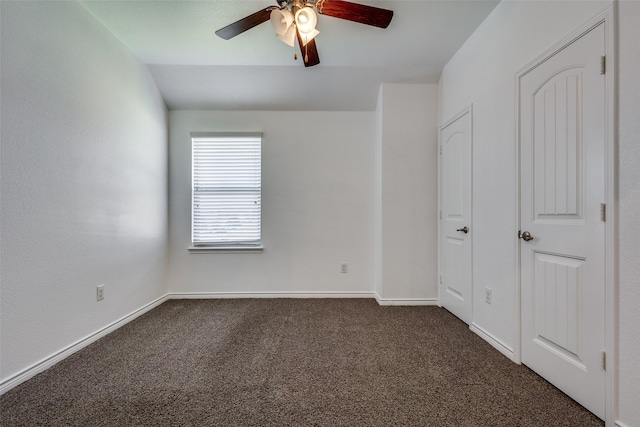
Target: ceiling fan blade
[[245, 24], [309, 52], [355, 12]]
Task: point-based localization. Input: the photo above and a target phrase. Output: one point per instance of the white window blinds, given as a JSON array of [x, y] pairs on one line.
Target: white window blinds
[[226, 198]]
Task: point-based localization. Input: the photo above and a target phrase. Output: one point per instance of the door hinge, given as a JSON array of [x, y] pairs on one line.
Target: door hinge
[[441, 280], [604, 360], [603, 64], [440, 148], [603, 211], [440, 213]]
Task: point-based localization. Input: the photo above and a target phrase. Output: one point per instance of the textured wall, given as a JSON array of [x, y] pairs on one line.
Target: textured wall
[[317, 204], [84, 181], [629, 214]]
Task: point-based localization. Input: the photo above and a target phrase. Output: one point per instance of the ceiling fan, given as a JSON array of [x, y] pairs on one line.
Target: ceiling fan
[[293, 19]]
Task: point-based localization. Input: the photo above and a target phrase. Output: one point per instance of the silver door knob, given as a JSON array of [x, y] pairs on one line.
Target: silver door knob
[[464, 229], [526, 236]]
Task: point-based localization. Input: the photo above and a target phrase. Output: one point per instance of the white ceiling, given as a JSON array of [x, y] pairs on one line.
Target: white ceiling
[[194, 68]]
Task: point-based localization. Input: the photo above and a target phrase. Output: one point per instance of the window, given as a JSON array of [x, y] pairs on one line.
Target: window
[[226, 191]]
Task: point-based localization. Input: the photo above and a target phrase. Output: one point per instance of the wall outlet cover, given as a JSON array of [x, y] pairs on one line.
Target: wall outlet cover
[[488, 295]]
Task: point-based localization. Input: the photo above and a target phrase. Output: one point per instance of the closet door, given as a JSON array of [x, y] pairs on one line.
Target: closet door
[[456, 231]]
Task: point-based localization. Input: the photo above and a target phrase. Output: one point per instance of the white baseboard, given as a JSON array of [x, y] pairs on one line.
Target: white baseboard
[[620, 424], [228, 295], [51, 360], [495, 342], [406, 301], [48, 362]]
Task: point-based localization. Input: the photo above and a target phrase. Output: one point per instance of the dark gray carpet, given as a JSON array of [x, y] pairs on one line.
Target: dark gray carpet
[[283, 362]]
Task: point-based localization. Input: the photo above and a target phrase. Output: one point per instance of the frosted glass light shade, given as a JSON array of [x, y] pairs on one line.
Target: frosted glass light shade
[[307, 37], [289, 36], [281, 20], [306, 20]]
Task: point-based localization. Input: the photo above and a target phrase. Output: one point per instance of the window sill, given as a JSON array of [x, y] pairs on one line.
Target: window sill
[[225, 249]]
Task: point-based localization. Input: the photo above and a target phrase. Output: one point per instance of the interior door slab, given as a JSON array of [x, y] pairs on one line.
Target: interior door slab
[[562, 185]]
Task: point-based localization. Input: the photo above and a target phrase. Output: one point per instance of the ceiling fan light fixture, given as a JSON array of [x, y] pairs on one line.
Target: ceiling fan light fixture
[[293, 19], [281, 20], [306, 20]]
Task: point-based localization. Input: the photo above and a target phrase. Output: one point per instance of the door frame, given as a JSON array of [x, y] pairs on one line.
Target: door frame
[[607, 17], [467, 110]]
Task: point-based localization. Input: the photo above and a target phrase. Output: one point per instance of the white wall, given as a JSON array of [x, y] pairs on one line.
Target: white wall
[[483, 72], [377, 214], [84, 181], [629, 214], [318, 190], [406, 193]]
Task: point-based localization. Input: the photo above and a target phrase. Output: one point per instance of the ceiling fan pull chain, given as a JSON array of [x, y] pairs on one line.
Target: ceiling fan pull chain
[[306, 49], [295, 53]]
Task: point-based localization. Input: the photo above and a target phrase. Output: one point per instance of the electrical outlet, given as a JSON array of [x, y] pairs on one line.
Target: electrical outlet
[[488, 295], [100, 293], [343, 267]]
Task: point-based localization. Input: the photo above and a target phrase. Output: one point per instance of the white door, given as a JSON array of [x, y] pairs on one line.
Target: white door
[[455, 291], [562, 166]]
